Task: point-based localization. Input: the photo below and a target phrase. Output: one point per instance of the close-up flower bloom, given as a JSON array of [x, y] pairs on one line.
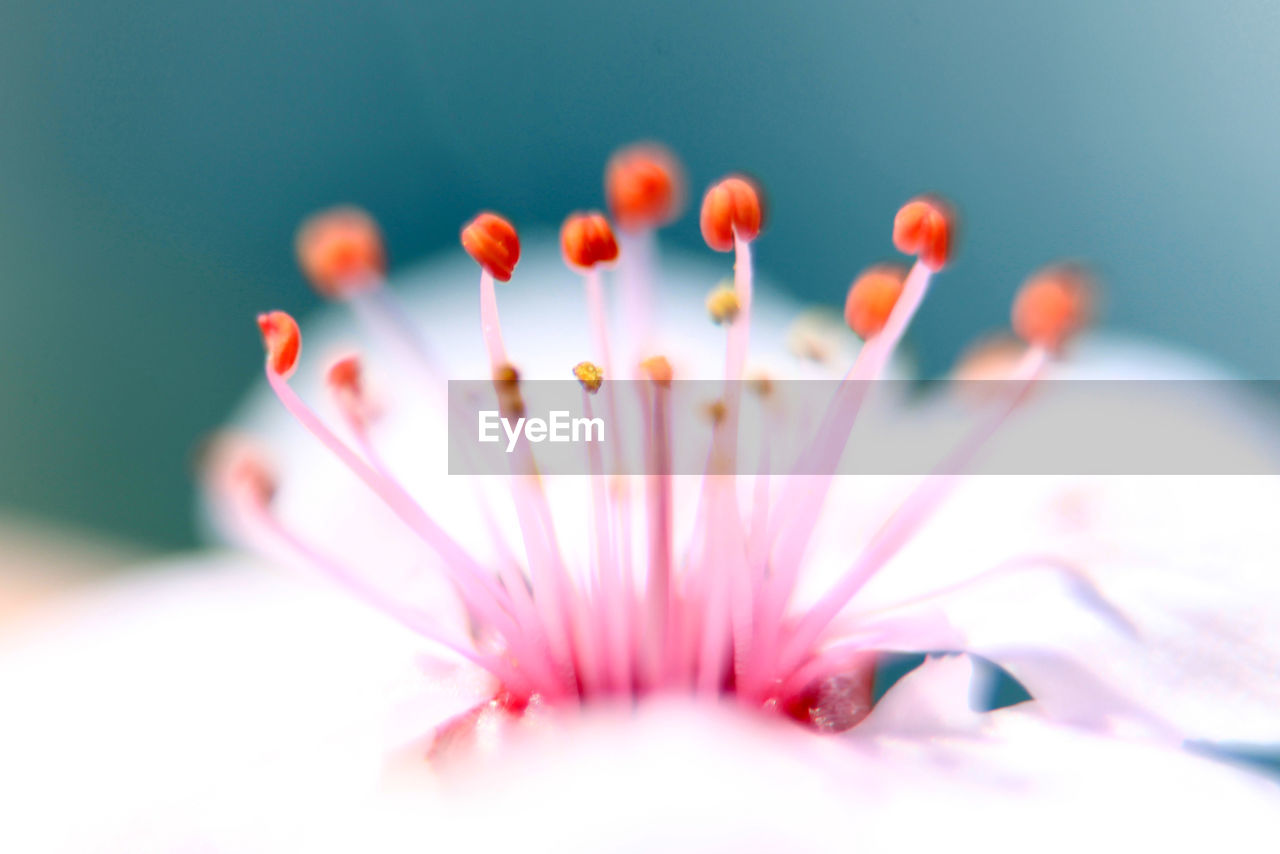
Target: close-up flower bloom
[[386, 654]]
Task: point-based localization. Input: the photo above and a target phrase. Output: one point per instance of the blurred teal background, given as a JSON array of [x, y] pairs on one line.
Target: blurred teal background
[[156, 155]]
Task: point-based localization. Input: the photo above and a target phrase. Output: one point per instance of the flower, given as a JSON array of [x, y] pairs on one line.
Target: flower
[[711, 683]]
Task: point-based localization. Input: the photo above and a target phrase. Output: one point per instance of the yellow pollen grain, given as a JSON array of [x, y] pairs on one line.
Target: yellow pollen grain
[[506, 382], [589, 375], [815, 335], [722, 305], [761, 383]]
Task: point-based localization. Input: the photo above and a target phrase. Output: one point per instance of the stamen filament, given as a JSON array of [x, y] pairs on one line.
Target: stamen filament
[[484, 598], [636, 278], [354, 584], [805, 490], [490, 326], [914, 511]]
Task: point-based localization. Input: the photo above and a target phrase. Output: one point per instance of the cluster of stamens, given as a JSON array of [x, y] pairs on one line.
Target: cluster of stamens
[[713, 621]]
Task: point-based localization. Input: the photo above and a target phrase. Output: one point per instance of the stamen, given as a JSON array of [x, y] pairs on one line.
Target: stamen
[[872, 298], [914, 511], [643, 187], [609, 623], [589, 375], [722, 305], [709, 615], [493, 243], [506, 382], [660, 600], [924, 227], [486, 600], [1052, 306], [346, 384], [551, 587], [243, 474], [341, 252], [283, 342], [658, 369], [731, 209], [233, 467], [930, 216], [645, 190], [587, 240], [495, 246], [344, 378], [731, 218]]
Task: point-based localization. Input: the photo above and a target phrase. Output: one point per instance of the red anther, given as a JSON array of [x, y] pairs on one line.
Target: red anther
[[252, 477], [731, 207], [346, 383], [643, 187], [1053, 305], [344, 375], [341, 252], [871, 299], [586, 240], [236, 468], [493, 243], [925, 227], [282, 340]]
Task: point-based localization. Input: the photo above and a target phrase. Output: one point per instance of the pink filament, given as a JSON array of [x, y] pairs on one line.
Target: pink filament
[[805, 490], [710, 622], [490, 328], [635, 272], [914, 511], [355, 585]]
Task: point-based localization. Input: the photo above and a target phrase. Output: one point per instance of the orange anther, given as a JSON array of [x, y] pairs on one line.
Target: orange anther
[[874, 294], [643, 186], [341, 252], [924, 227], [658, 369], [1052, 306], [731, 207], [586, 240], [493, 243], [282, 340]]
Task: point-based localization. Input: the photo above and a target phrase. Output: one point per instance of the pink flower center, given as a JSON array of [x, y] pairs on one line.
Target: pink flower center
[[714, 618]]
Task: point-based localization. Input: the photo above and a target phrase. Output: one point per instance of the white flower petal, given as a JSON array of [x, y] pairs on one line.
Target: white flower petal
[[677, 777], [213, 683], [936, 698], [1189, 561]]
